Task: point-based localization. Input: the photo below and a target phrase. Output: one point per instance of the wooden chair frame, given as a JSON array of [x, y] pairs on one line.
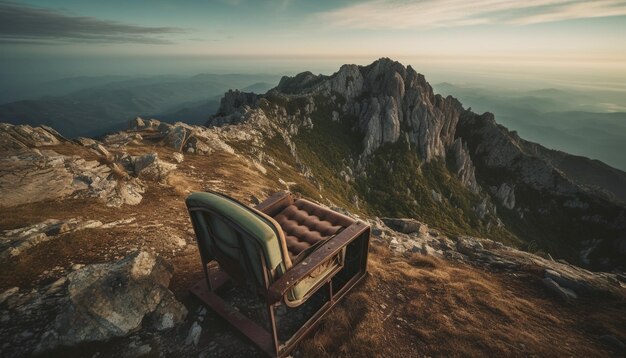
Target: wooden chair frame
[[355, 239]]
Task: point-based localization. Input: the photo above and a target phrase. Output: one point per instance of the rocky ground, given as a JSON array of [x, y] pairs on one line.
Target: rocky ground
[[97, 255]]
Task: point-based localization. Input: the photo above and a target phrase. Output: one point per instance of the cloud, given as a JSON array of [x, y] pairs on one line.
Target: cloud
[[397, 14], [24, 24]]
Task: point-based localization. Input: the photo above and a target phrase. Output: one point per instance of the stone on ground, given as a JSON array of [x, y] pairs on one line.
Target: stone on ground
[[92, 304]]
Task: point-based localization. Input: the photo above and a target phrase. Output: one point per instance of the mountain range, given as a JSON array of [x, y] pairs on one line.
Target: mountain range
[[586, 123], [87, 106]]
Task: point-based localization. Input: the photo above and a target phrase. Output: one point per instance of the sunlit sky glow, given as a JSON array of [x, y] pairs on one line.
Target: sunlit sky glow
[[543, 37]]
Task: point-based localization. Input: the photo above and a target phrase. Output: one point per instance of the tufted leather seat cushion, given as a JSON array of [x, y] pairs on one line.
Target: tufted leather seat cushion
[[306, 224]]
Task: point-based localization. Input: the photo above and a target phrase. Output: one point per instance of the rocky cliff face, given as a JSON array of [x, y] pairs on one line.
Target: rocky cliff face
[[387, 104], [534, 192], [385, 100]]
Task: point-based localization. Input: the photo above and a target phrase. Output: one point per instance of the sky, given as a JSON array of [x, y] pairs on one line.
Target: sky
[[530, 42]]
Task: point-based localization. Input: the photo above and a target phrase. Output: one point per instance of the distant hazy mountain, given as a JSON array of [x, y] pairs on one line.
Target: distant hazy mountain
[[111, 102], [199, 111], [576, 122], [60, 87], [195, 112], [259, 87]]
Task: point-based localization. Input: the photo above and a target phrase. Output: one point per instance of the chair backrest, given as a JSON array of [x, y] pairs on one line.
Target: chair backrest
[[244, 241]]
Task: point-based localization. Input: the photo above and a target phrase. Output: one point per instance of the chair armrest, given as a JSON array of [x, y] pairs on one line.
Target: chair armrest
[[304, 268], [277, 201]]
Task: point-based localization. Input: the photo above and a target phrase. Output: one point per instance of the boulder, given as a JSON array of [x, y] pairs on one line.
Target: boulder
[[85, 142], [193, 337], [177, 136], [127, 192], [481, 209], [468, 245], [406, 226], [195, 146], [164, 128], [102, 152], [178, 157], [121, 139], [436, 196], [92, 304], [149, 166], [137, 123], [565, 293], [152, 124]]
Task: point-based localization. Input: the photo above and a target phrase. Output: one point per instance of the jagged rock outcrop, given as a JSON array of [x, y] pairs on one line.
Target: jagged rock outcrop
[[14, 242], [24, 136], [233, 100], [505, 194], [548, 193], [29, 173], [42, 174], [496, 147], [122, 139], [385, 102], [141, 124], [94, 303], [179, 136], [204, 141], [176, 136], [463, 166], [34, 175]]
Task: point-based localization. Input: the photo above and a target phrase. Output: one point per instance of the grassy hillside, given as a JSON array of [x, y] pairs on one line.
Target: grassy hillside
[[396, 182]]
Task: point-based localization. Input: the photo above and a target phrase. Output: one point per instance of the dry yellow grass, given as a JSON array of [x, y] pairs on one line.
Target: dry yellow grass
[[429, 307], [181, 184]]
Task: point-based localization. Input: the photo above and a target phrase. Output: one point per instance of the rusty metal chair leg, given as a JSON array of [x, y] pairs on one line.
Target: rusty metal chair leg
[[250, 329], [206, 275], [274, 328]]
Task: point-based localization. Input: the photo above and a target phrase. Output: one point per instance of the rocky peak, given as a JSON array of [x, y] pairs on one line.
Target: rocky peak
[[299, 83], [236, 99], [348, 81], [385, 100]]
